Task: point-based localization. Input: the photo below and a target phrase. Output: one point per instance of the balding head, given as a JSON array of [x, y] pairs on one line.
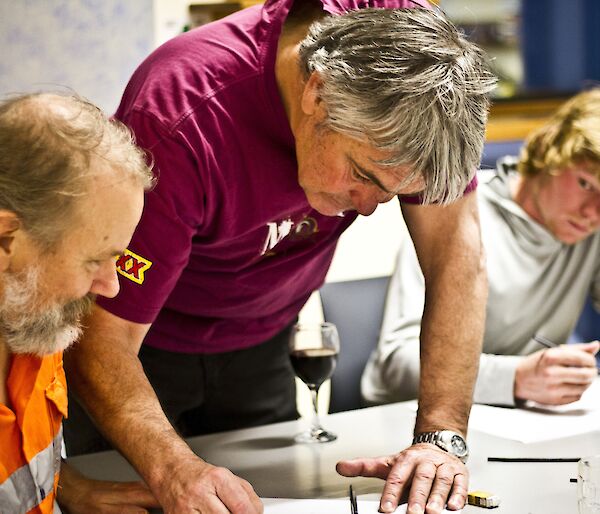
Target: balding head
[[50, 147]]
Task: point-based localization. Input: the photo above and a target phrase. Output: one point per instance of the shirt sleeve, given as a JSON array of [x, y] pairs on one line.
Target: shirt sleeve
[[495, 383], [173, 211]]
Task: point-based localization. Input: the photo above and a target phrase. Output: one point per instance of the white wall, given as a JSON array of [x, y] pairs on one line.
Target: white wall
[[170, 16], [367, 249], [90, 46]]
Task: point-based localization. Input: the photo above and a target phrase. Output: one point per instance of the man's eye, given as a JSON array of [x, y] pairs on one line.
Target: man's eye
[[584, 184], [359, 177]]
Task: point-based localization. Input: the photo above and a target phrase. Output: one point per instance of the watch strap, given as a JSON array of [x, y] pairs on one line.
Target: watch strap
[[426, 437], [442, 439]]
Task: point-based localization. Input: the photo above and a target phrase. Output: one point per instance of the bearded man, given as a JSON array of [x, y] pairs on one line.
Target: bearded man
[[71, 193]]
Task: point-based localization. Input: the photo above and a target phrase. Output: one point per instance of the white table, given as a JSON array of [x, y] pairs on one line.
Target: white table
[[277, 467]]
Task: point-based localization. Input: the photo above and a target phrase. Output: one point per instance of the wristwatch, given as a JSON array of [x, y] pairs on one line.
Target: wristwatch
[[447, 440]]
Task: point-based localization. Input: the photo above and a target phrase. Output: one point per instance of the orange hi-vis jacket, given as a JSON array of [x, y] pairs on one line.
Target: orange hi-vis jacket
[[31, 435]]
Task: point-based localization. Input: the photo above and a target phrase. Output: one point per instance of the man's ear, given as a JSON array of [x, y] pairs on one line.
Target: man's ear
[[311, 94], [9, 224]]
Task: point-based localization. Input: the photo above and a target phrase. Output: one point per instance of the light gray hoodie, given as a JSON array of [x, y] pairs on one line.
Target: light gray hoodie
[[537, 285]]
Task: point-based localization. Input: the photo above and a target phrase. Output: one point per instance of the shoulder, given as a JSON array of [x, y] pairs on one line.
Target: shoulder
[[190, 69]]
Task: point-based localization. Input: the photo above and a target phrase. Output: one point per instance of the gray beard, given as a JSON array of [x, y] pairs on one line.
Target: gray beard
[[27, 330]]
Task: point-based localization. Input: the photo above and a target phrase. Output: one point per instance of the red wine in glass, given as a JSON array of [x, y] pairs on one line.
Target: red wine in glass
[[313, 352], [314, 366]]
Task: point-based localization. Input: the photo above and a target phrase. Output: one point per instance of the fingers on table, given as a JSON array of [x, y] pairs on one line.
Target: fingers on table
[[239, 497], [459, 491], [136, 493], [119, 509], [396, 484], [372, 467], [449, 486], [432, 486]]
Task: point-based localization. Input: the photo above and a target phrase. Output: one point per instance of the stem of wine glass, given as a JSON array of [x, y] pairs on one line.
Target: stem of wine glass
[[316, 425]]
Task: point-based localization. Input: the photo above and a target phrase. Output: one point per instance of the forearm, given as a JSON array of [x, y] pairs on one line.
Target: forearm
[[67, 484], [117, 395], [448, 244], [106, 375], [451, 336], [397, 375]]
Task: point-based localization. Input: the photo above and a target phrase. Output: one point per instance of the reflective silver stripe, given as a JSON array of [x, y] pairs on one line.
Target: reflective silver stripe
[[31, 483]]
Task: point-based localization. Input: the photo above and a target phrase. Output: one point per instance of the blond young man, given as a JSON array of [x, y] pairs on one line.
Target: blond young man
[[71, 193], [540, 228]]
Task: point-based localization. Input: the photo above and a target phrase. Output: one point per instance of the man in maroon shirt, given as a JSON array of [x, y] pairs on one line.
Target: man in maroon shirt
[[267, 143]]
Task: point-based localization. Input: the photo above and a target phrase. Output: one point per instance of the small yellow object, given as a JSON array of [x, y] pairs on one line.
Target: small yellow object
[[483, 499]]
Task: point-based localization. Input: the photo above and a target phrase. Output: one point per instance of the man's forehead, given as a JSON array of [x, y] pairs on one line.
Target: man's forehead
[[590, 170]]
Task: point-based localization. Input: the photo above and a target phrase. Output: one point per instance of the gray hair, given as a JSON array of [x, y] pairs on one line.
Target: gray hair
[[408, 82], [47, 144]]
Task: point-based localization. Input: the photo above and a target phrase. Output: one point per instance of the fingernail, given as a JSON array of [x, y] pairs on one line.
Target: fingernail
[[415, 508], [387, 506], [434, 506], [456, 502]]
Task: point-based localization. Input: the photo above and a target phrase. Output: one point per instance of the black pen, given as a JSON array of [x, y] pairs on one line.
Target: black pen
[[353, 505], [544, 341]]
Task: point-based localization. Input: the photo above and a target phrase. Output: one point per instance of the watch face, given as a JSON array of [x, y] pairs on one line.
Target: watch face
[[458, 445]]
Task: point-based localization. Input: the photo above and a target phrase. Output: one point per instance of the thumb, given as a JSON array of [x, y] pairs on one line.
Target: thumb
[[371, 467], [348, 468], [591, 347]]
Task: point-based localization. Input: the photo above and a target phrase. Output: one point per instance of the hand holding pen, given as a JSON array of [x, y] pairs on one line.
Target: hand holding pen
[[557, 374]]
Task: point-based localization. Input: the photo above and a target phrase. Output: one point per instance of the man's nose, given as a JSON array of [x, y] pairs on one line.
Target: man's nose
[[591, 210], [106, 282], [364, 203]]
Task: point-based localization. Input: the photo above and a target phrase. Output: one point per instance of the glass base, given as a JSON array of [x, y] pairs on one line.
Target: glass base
[[315, 436]]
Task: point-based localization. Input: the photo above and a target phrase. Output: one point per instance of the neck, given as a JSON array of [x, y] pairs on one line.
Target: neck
[[524, 193], [5, 358], [287, 69]]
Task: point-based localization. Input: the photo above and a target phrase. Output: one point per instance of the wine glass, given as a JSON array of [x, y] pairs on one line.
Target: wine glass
[[313, 351]]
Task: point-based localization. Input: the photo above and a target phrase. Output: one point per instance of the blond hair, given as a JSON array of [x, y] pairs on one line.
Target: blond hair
[[571, 136]]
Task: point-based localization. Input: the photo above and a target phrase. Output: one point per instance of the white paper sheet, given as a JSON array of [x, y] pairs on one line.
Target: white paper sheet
[[326, 506], [535, 423]]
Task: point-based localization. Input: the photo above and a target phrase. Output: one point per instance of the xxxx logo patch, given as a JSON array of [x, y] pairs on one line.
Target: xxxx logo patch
[[133, 266]]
